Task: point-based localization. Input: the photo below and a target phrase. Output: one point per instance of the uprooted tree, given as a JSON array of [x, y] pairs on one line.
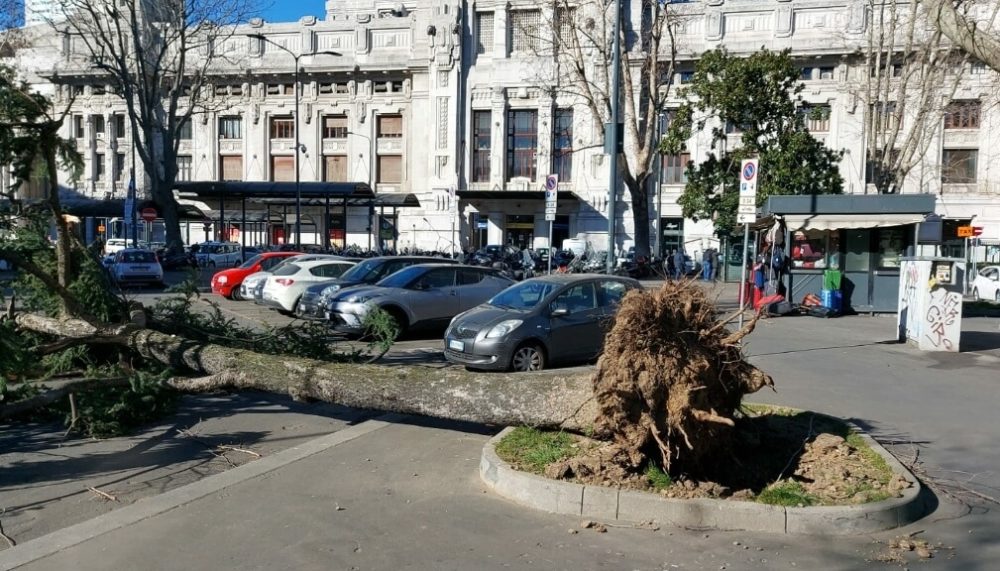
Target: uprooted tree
[[665, 390]]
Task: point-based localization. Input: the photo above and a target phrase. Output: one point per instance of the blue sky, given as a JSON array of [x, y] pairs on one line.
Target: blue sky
[[292, 10]]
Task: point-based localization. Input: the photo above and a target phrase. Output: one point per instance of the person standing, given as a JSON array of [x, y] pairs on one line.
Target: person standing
[[706, 265], [715, 264], [669, 265], [679, 263]]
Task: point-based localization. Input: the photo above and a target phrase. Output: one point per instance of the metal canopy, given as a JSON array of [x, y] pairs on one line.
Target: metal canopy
[[512, 195], [275, 190]]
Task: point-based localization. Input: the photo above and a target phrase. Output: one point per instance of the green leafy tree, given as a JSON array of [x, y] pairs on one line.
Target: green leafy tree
[[758, 98]]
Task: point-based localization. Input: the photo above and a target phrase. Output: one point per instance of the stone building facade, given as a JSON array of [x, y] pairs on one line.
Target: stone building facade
[[432, 96]]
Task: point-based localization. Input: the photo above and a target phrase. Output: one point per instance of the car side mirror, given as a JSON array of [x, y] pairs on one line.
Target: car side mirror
[[559, 312]]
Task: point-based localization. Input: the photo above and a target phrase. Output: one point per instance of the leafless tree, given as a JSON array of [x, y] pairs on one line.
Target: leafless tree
[[907, 80], [577, 37], [161, 58], [970, 24]]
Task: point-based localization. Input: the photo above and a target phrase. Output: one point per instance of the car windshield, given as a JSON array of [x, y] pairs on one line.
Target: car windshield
[[524, 295], [211, 249], [286, 270], [251, 262], [403, 277], [138, 257]]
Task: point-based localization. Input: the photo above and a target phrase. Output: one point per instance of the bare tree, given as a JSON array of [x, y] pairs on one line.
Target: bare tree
[[970, 25], [909, 76], [577, 36], [161, 58]]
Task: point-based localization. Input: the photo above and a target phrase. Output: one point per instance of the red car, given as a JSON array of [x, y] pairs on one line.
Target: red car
[[227, 282]]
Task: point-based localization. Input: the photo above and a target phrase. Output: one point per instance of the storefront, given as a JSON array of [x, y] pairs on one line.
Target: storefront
[[864, 237], [516, 218]]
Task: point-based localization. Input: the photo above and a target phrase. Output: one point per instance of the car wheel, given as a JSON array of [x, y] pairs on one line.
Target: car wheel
[[236, 295], [975, 294], [996, 296], [399, 318], [528, 357]]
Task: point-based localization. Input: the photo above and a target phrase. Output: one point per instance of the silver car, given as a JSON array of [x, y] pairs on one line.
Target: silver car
[[420, 296], [136, 266]]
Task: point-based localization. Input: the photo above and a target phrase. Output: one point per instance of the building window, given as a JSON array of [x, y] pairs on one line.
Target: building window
[[282, 169], [685, 77], [231, 167], [958, 166], [806, 74], [184, 129], [566, 25], [674, 168], [522, 143], [119, 167], [78, 131], [118, 124], [562, 145], [98, 125], [484, 32], [826, 72], [816, 118], [77, 91], [523, 31], [977, 68], [962, 115], [885, 116], [230, 128], [282, 128], [99, 90], [236, 90], [815, 249], [335, 168], [335, 127], [99, 169], [390, 126], [390, 169], [733, 128], [482, 142], [280, 89], [184, 167]]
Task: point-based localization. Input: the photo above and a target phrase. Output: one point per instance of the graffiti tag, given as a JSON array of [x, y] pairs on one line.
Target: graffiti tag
[[943, 312]]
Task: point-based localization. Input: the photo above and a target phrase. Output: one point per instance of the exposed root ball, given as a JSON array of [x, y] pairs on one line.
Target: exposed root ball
[[667, 386]]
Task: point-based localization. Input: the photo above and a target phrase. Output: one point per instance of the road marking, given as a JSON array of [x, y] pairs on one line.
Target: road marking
[[146, 508]]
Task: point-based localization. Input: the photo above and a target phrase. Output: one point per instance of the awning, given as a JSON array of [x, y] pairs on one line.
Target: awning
[[848, 221], [273, 190]]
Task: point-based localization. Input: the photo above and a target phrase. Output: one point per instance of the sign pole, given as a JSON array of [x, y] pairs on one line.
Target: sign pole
[[550, 248], [743, 275], [746, 215], [551, 205]]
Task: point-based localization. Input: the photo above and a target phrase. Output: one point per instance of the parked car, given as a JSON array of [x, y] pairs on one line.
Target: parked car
[[420, 296], [285, 285], [132, 266], [227, 282], [987, 284], [219, 254], [253, 285], [315, 302], [115, 245], [538, 322]]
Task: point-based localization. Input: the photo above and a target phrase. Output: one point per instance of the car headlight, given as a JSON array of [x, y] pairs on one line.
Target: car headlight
[[503, 328], [358, 298], [223, 280], [330, 290]]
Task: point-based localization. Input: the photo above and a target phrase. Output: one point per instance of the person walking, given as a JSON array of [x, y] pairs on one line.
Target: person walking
[[679, 263], [715, 264], [706, 265], [669, 265]]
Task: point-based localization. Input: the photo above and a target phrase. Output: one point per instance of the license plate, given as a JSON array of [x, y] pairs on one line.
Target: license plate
[[140, 268], [456, 345]]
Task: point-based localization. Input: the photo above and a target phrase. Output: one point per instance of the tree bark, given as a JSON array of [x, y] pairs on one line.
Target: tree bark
[[558, 399], [640, 216]]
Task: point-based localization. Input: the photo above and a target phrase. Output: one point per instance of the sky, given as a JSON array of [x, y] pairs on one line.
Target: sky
[[292, 10]]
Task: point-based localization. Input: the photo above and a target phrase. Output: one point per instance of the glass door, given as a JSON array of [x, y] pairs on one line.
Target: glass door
[[856, 284]]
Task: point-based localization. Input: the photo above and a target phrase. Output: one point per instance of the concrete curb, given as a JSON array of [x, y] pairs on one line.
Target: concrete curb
[[41, 547], [614, 504]]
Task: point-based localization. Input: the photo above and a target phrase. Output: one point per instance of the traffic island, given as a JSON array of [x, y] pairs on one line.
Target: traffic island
[[840, 482]]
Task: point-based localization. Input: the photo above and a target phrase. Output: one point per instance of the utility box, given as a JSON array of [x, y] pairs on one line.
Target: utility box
[[930, 303]]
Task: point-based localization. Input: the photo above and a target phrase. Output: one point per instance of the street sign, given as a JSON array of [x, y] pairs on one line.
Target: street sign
[[748, 201], [748, 177], [744, 218], [148, 214], [452, 200], [977, 230], [550, 216], [966, 232], [101, 228], [550, 209], [747, 209]]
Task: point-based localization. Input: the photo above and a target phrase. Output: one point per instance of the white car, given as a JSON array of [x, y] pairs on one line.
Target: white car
[[219, 254], [987, 284], [136, 266], [115, 245], [251, 282], [285, 285]]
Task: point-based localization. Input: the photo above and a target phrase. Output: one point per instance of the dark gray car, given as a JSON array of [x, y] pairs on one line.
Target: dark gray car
[[526, 327]]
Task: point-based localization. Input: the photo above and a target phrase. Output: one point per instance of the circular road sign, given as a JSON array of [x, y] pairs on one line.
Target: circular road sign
[[551, 182], [148, 214], [749, 171]]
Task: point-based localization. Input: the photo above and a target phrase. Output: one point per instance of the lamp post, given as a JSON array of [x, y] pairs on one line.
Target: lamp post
[[298, 146], [612, 140]]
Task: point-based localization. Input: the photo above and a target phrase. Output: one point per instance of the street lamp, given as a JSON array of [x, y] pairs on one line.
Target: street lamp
[[298, 146]]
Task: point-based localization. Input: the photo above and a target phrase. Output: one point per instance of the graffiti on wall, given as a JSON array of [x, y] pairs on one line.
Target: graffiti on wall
[[942, 321]]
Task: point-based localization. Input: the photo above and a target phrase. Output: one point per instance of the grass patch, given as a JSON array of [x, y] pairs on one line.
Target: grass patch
[[874, 459], [532, 450], [786, 494], [659, 479]]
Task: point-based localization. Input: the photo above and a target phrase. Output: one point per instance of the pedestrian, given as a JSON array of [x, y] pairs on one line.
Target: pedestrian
[[715, 264], [528, 264], [706, 265], [679, 263], [670, 267]]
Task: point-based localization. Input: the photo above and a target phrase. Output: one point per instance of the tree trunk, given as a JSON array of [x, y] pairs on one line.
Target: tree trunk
[[640, 215], [974, 39], [558, 399], [63, 246]]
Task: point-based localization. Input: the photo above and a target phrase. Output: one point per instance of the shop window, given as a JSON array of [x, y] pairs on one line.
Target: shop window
[[892, 244], [815, 249]]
